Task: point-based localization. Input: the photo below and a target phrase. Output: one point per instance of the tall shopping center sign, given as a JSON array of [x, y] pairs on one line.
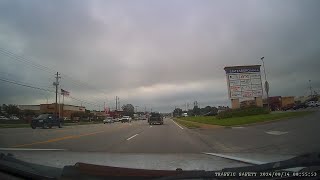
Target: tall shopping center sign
[[244, 82]]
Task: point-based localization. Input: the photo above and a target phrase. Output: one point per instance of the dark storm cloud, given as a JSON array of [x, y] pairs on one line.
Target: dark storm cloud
[[160, 52]]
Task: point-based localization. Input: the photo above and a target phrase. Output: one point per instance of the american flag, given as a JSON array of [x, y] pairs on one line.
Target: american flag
[[64, 92], [106, 110]]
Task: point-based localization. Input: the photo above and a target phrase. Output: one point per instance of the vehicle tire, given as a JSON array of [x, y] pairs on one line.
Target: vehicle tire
[[45, 126], [60, 125], [33, 126], [50, 126]]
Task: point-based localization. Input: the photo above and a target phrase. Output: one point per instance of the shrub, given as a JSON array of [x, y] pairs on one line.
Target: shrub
[[249, 111]]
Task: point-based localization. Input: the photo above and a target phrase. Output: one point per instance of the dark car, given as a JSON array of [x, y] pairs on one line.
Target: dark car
[[46, 121], [299, 106], [288, 107], [155, 118]]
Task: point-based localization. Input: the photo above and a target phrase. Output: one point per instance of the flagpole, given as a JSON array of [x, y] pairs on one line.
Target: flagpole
[[62, 104], [59, 104]]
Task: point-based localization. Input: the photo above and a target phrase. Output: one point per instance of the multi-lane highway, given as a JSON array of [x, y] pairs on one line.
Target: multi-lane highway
[[291, 136], [135, 137]]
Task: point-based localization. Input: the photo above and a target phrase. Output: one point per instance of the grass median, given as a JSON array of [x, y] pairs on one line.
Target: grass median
[[187, 124], [236, 121]]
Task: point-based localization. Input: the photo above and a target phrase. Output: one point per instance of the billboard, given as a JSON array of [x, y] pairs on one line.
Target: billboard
[[244, 81]]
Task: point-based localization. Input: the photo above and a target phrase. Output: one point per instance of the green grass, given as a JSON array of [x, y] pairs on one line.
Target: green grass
[[234, 121], [187, 124]]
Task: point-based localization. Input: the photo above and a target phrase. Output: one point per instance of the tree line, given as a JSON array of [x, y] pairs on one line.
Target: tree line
[[196, 111]]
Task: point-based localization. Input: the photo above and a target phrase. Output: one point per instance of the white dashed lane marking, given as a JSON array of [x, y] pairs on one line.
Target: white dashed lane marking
[[132, 137], [276, 133]]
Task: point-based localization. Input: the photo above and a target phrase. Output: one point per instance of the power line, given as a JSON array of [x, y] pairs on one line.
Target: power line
[[44, 68], [25, 85], [6, 75], [43, 89], [24, 60], [80, 100]]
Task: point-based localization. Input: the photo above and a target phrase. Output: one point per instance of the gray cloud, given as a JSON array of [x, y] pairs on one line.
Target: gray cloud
[[161, 53]]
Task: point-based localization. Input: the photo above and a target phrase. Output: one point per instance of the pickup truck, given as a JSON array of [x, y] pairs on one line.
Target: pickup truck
[[46, 121], [155, 118]]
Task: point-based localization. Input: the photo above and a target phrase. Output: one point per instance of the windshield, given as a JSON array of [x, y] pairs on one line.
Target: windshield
[[155, 115], [42, 116], [161, 78]]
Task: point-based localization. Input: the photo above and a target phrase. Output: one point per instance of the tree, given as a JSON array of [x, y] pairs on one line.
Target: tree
[[196, 110], [128, 110], [12, 109], [177, 112], [28, 113], [190, 112]]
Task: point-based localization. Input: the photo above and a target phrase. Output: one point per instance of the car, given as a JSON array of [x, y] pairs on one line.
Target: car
[[313, 103], [66, 119], [108, 120], [46, 121], [3, 118], [116, 119], [287, 107], [155, 118], [144, 117], [126, 119], [14, 118], [299, 106]]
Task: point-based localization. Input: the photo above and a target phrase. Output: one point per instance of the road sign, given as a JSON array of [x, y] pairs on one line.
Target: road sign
[[244, 81]]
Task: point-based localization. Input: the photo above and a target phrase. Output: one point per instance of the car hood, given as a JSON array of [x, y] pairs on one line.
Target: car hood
[[200, 161]]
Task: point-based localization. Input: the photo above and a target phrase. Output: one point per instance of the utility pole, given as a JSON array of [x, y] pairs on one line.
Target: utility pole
[[119, 103], [310, 88], [57, 85], [116, 103]]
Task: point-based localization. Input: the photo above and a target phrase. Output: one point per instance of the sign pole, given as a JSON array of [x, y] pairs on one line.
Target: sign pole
[[266, 84]]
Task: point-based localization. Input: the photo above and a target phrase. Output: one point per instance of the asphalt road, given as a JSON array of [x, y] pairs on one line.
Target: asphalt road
[[291, 136], [135, 137]]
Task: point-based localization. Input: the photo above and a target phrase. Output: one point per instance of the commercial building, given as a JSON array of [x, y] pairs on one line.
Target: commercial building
[[33, 108], [65, 109]]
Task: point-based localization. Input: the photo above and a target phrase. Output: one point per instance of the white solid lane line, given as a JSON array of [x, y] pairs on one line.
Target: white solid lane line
[[177, 124], [132, 137]]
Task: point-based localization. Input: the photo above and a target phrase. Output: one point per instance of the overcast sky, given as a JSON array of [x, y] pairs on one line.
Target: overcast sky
[[158, 54]]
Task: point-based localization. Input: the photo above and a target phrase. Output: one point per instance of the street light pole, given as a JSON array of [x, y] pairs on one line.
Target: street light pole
[[310, 88], [266, 84]]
